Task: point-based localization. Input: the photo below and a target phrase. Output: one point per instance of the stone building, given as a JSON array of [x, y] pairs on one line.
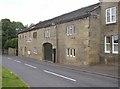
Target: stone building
[[110, 23], [83, 37]]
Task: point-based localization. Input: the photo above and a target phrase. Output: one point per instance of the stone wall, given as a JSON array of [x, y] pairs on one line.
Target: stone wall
[[108, 30], [11, 51]]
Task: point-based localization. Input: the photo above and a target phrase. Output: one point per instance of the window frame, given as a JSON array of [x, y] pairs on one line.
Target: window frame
[[105, 45], [35, 51], [113, 47], [67, 51], [111, 15], [34, 35], [73, 52], [70, 30], [67, 30], [47, 33], [70, 52]]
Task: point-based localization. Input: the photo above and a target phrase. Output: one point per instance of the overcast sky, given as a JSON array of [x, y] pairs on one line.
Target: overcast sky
[[33, 11]]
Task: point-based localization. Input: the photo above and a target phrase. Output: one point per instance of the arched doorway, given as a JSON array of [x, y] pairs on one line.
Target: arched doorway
[[47, 51]]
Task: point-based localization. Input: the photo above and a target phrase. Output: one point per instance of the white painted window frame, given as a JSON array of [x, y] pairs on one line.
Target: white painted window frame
[[105, 43], [73, 52], [47, 33], [67, 51], [70, 52], [113, 47], [111, 14], [70, 30], [67, 31]]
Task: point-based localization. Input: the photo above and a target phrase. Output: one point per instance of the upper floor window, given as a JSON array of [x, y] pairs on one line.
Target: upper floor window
[[23, 36], [47, 33], [111, 15], [34, 34], [70, 30]]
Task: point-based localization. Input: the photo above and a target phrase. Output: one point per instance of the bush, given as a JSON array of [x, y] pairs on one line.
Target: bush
[[11, 43]]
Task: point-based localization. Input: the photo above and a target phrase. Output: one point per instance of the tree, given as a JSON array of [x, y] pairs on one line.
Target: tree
[[10, 30]]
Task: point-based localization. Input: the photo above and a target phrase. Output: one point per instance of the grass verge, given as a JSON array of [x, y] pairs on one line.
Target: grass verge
[[11, 80]]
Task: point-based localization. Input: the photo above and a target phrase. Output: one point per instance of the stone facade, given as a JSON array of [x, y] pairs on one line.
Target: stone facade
[[83, 45], [109, 30]]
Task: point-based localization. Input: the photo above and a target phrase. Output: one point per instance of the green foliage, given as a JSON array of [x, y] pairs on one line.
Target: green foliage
[[10, 30], [10, 80], [12, 43]]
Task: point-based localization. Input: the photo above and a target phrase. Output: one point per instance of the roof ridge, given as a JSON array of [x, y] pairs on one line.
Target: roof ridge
[[73, 15]]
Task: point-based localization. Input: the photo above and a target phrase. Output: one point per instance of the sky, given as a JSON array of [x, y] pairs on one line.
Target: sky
[[33, 11]]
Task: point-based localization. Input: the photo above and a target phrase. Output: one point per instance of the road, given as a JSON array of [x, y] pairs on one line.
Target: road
[[42, 74]]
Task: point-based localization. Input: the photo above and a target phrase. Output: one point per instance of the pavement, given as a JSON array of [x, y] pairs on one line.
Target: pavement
[[100, 69]]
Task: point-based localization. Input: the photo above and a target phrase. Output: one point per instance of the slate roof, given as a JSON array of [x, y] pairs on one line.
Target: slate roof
[[74, 15]]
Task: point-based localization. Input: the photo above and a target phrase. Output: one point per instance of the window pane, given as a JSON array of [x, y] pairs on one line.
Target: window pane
[[47, 33], [35, 50], [70, 51], [108, 15], [35, 35], [113, 14], [107, 39], [73, 52], [107, 47], [108, 12], [108, 19], [113, 18], [115, 47], [113, 11], [116, 39]]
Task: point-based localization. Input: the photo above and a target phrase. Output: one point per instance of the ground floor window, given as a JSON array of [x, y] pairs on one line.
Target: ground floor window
[[111, 44], [70, 52], [35, 50], [67, 51], [115, 44], [107, 44]]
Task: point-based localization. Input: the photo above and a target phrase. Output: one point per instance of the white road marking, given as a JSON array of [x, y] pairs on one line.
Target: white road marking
[[30, 66], [60, 75], [9, 58], [17, 61]]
